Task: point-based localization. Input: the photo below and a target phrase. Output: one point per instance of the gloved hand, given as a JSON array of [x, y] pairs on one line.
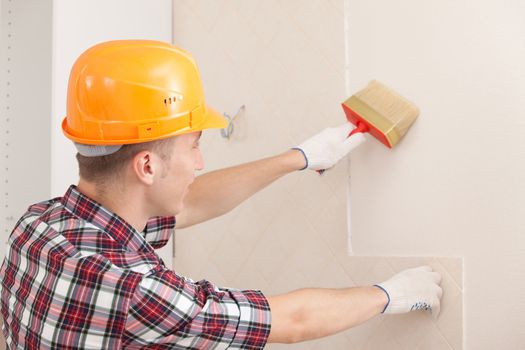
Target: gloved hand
[[325, 149], [413, 289]]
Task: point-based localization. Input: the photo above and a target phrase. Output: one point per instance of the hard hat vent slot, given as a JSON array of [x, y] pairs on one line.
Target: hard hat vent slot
[[170, 100]]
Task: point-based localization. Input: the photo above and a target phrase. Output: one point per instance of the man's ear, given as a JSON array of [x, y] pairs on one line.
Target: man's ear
[[145, 166]]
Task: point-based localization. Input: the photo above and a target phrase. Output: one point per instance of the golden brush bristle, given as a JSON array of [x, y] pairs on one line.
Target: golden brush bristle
[[399, 111]]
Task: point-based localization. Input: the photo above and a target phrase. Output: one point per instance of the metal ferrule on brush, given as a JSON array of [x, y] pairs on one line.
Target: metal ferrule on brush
[[380, 127]]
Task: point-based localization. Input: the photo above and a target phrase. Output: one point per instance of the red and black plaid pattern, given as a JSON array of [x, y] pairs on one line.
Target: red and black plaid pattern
[[76, 275]]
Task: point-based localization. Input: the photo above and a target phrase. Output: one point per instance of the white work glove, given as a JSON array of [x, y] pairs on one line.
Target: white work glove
[[325, 149], [413, 289]]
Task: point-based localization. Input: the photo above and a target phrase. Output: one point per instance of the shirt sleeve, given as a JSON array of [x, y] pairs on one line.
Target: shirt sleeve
[[171, 309]]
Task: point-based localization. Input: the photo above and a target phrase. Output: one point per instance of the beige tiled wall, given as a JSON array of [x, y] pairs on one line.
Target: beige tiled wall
[[285, 61]]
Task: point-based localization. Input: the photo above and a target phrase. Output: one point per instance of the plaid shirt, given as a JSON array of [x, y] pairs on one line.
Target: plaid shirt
[[76, 275]]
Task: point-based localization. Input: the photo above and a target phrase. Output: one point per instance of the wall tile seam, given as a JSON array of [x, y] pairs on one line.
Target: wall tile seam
[[440, 334], [239, 217], [333, 253], [449, 274], [298, 26]]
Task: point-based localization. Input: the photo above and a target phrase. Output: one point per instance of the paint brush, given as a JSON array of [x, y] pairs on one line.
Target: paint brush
[[381, 112]]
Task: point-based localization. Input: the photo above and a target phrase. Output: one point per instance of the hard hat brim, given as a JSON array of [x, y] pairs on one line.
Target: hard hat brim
[[211, 120]]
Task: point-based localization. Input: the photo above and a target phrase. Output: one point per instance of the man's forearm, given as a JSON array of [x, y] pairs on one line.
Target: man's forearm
[[217, 192], [307, 314]]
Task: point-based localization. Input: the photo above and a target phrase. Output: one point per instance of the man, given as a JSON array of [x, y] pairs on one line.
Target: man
[[80, 270]]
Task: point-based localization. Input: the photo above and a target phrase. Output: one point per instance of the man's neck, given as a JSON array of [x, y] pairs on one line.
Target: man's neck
[[123, 203]]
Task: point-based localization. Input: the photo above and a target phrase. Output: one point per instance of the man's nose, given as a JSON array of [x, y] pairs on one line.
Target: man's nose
[[199, 162]]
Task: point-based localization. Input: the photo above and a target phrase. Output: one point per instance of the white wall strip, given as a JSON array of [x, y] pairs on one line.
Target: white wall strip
[[25, 107], [346, 11]]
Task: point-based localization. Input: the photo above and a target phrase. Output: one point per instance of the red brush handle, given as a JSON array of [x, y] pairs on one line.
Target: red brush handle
[[361, 127]]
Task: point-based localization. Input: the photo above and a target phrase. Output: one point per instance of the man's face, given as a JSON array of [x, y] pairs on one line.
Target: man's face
[[177, 173]]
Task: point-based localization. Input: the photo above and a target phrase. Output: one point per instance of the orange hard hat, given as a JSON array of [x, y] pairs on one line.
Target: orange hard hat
[[131, 91]]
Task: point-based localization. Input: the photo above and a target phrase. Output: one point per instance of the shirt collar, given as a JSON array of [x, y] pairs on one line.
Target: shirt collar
[[157, 231]]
